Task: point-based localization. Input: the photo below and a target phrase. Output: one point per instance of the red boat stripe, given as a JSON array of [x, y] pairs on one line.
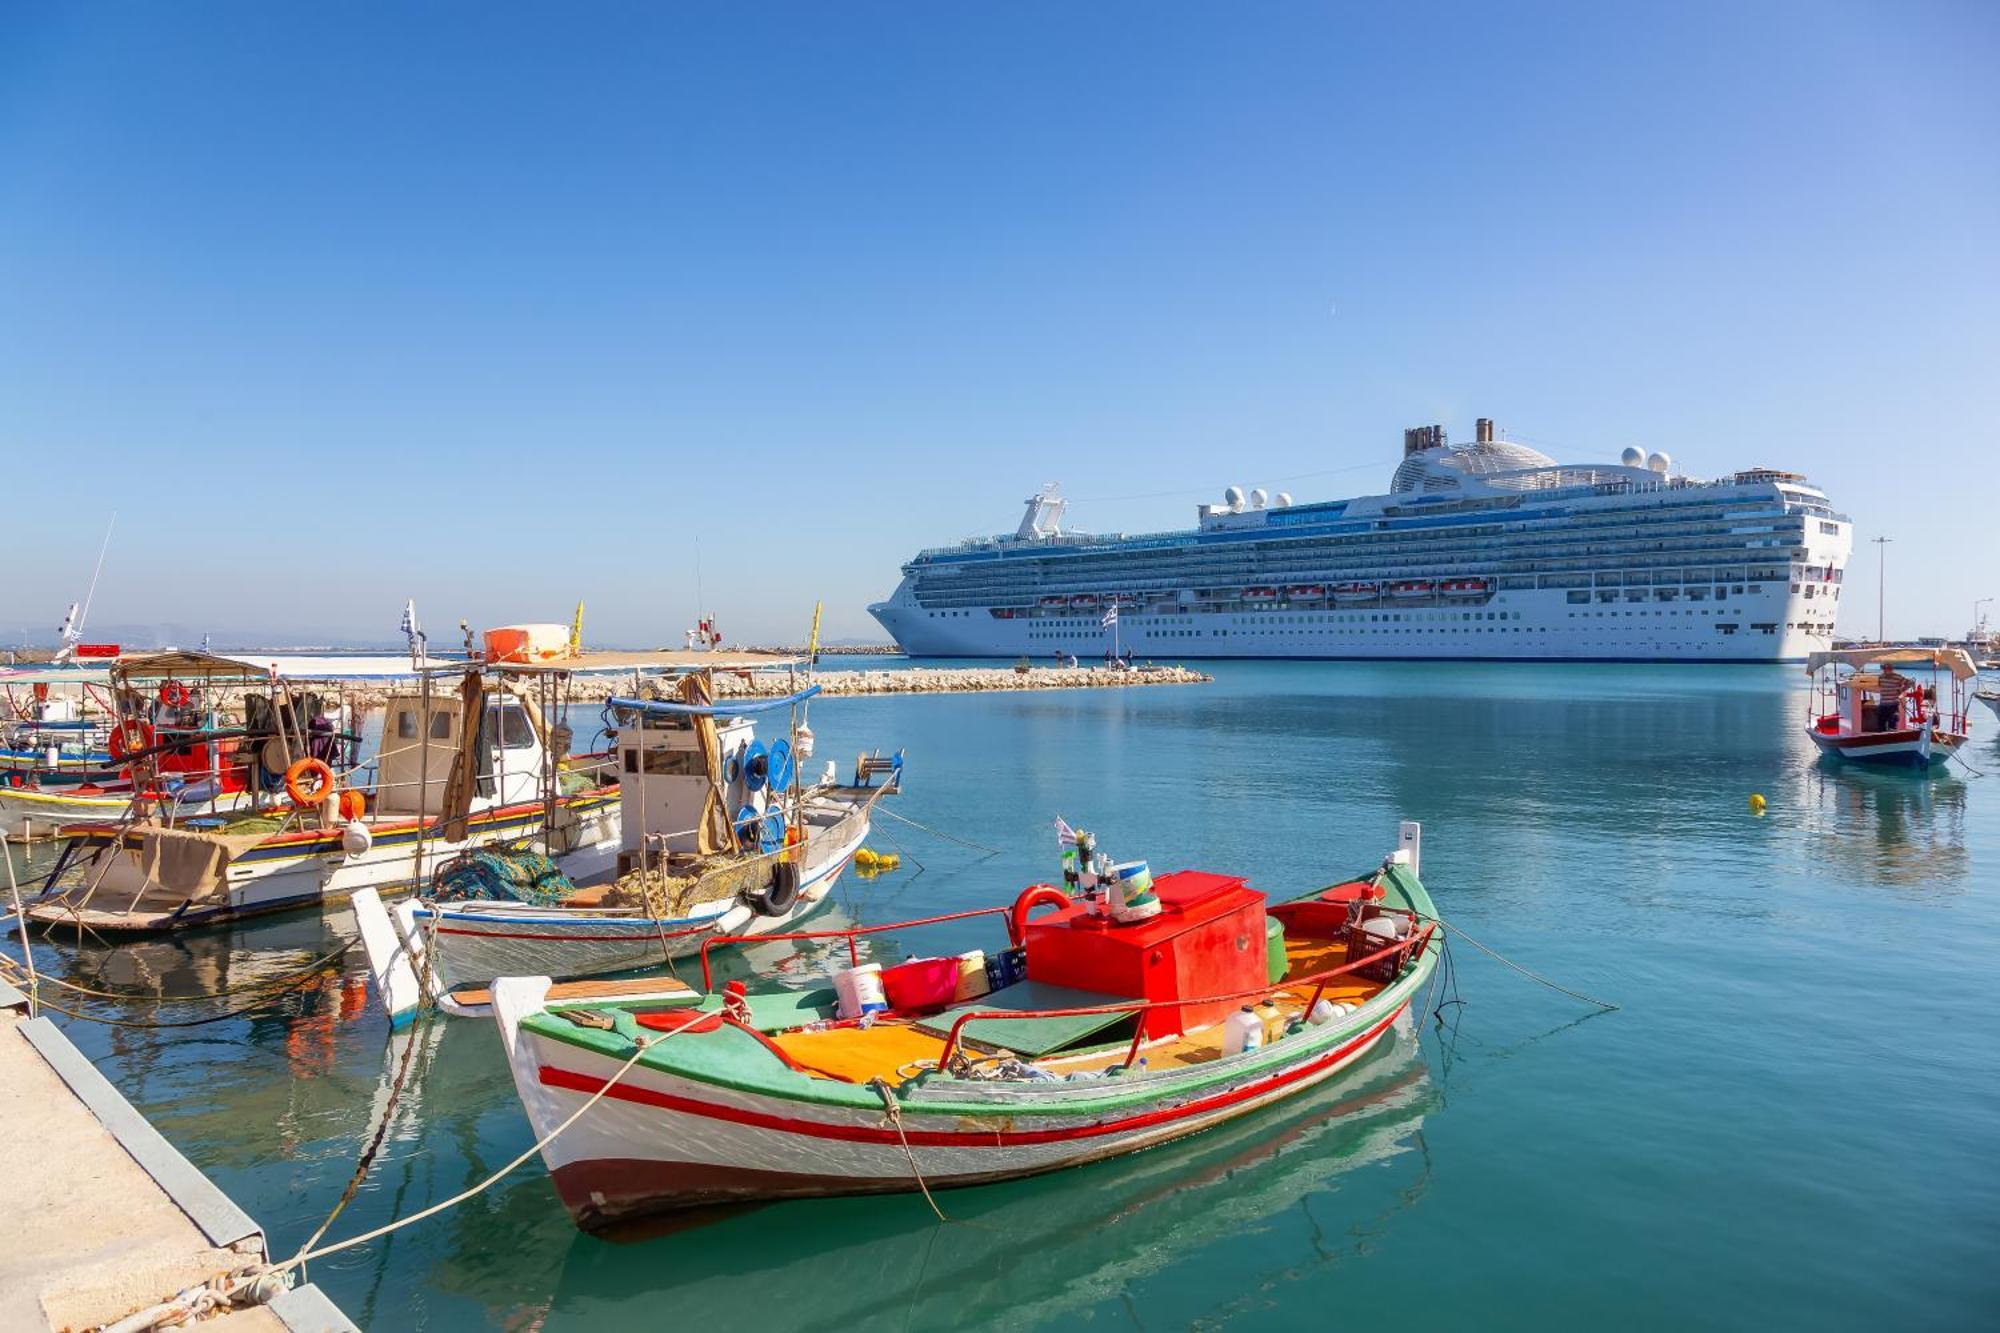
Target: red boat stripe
[[940, 1138]]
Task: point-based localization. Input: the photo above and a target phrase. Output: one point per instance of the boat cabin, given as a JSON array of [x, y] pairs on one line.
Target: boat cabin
[[420, 743]]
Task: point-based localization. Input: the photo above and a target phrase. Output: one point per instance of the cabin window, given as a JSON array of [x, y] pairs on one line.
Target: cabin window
[[513, 728], [670, 763], [406, 725], [441, 724]]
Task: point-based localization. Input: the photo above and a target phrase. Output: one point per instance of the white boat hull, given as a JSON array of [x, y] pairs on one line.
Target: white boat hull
[[658, 1140], [471, 943]]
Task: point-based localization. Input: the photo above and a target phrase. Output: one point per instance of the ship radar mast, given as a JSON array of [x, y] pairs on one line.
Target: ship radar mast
[[1044, 516]]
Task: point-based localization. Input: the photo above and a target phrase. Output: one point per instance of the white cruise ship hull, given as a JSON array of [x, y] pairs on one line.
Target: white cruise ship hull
[[1480, 552]]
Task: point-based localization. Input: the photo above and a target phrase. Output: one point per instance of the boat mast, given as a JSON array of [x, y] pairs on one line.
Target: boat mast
[[72, 629], [1881, 586]]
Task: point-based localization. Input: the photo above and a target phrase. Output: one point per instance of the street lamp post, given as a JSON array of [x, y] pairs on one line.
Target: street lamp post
[[1881, 586]]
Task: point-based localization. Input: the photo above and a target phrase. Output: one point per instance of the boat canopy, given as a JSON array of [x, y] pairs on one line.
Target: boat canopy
[[1953, 660], [183, 664], [53, 674]]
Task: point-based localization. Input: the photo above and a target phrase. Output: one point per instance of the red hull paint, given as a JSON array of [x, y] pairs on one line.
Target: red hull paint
[[944, 1138]]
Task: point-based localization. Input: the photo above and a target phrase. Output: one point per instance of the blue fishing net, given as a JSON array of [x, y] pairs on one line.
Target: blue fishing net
[[515, 875]]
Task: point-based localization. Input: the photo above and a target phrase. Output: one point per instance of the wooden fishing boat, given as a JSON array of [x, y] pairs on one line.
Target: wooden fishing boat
[[466, 765], [688, 871], [1865, 710], [1098, 1037]]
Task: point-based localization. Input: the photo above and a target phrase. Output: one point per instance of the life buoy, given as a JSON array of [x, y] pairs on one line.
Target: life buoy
[[175, 695], [132, 736], [1032, 897], [41, 692], [322, 783], [777, 897]]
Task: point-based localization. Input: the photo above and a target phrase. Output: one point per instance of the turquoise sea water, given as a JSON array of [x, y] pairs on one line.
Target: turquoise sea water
[[1793, 1118]]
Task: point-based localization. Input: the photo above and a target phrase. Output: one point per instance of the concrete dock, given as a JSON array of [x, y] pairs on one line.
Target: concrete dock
[[109, 1218]]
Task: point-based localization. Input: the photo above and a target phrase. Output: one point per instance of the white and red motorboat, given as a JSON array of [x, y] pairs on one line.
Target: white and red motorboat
[[1867, 710]]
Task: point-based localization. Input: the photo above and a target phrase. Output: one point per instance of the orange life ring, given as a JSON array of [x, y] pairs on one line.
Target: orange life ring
[[175, 695], [132, 736], [353, 804], [1032, 897], [322, 783]]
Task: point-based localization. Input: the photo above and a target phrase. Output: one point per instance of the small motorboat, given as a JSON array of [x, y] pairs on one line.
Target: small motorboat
[[1990, 696], [1108, 1025], [1867, 710]]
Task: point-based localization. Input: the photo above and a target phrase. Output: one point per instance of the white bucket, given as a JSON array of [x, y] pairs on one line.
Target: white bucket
[[860, 991]]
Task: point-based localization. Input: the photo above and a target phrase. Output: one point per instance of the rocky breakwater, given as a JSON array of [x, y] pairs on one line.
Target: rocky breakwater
[[965, 680]]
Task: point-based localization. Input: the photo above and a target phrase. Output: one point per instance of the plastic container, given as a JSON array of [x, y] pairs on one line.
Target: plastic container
[[1133, 898], [859, 991], [921, 983], [1275, 962], [1323, 1011], [1007, 968], [1242, 1031], [527, 643], [971, 976]]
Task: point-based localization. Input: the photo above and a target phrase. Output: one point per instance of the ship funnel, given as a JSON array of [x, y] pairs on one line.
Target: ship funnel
[[1416, 439], [1484, 430]]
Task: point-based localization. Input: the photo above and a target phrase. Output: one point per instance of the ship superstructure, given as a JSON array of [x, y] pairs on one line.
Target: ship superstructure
[[1483, 550]]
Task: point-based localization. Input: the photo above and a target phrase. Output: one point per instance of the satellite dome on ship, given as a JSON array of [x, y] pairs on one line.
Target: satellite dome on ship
[[1430, 463]]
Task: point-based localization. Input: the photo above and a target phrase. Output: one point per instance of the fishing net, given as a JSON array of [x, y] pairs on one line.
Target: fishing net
[[512, 875]]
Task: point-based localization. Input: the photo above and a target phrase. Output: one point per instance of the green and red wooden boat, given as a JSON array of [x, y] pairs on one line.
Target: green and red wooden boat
[[1102, 1037]]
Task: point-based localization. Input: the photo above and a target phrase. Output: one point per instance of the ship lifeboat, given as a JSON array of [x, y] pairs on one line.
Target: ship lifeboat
[[1412, 588], [1126, 598], [1084, 599], [1054, 603], [1260, 594], [1306, 591], [1465, 587], [1353, 592]]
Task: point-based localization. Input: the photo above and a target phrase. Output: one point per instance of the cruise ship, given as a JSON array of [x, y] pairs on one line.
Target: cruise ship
[[1483, 550]]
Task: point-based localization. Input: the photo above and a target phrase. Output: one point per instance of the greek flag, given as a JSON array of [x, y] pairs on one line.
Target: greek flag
[[409, 625], [1110, 615], [1065, 835]]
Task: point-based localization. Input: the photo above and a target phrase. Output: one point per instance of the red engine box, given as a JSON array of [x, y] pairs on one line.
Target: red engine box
[[1207, 940]]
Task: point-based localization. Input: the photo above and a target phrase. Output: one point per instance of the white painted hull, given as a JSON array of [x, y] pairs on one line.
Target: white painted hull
[[278, 878], [28, 814], [471, 943], [658, 1141]]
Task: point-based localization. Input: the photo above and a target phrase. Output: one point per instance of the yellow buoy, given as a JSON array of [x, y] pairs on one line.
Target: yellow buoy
[[865, 857], [1756, 803]]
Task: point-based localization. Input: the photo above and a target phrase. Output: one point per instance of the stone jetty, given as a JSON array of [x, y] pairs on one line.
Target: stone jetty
[[967, 680]]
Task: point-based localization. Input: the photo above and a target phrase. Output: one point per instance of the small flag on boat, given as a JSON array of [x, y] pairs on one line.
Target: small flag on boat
[[1110, 615], [409, 625], [1065, 835]]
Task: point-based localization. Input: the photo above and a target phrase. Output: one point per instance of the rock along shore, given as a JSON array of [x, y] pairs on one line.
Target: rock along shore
[[964, 680]]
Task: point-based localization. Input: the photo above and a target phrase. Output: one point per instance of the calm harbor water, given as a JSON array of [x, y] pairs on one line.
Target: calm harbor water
[[1791, 1119]]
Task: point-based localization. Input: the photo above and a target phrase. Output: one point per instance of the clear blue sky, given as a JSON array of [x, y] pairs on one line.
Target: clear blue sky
[[498, 305]]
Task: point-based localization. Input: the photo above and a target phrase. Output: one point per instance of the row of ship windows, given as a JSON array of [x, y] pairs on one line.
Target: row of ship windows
[[1204, 572]]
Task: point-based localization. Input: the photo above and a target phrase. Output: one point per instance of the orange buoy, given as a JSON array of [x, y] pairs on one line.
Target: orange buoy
[[353, 804], [322, 783]]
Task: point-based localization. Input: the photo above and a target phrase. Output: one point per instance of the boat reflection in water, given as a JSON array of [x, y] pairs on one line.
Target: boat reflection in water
[[1887, 826], [1025, 1253]]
